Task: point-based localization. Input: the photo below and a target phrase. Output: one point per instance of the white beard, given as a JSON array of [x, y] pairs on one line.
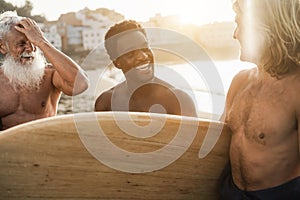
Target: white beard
[[28, 75]]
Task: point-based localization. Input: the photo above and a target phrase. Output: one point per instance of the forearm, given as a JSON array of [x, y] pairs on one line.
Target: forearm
[[65, 66], [68, 76], [70, 73]]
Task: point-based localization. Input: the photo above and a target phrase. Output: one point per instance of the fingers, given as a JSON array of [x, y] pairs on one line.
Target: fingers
[[26, 23], [30, 29]]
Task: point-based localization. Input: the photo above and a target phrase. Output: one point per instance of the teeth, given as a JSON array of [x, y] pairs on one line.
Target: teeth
[[26, 55], [143, 67]]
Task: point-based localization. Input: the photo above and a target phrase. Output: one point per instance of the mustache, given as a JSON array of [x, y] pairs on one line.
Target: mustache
[[26, 55]]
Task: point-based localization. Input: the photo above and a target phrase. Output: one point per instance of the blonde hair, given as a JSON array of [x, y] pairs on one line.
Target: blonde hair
[[280, 19]]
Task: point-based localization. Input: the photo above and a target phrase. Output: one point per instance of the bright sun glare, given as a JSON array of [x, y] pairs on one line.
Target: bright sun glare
[[189, 11], [208, 11]]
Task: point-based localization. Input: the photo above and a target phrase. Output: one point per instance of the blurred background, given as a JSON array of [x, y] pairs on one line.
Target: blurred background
[[78, 27]]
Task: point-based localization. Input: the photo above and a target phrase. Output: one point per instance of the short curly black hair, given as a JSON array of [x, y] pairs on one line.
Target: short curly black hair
[[120, 27]]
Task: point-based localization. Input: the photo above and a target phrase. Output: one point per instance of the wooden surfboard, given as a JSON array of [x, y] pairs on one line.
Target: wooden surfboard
[[113, 155]]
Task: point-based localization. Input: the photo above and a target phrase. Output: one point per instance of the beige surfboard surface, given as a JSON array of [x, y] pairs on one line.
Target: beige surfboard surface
[[113, 155]]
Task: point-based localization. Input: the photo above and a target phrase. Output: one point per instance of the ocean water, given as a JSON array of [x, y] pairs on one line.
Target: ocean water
[[207, 82]]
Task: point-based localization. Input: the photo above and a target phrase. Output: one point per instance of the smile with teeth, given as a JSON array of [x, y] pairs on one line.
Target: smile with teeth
[[27, 56], [143, 67]]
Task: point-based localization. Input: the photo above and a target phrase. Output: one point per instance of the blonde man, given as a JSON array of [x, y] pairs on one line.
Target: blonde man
[[263, 103]]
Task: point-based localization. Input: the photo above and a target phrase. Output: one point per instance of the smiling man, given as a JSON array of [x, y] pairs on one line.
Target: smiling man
[[127, 45], [30, 89]]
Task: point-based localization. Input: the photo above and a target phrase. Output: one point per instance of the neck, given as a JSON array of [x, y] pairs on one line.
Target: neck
[[132, 85]]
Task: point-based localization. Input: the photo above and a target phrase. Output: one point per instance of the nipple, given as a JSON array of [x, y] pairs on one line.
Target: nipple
[[261, 136]]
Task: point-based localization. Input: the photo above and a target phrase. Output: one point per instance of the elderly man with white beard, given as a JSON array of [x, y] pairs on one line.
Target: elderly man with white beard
[[29, 88]]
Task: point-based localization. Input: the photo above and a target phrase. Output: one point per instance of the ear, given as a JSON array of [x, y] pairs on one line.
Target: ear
[[3, 47]]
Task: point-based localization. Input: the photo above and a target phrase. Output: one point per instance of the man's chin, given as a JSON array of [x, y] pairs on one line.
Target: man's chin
[[24, 72]]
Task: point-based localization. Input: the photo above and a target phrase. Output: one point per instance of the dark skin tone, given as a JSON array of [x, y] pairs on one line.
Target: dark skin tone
[[142, 91], [23, 104], [151, 97]]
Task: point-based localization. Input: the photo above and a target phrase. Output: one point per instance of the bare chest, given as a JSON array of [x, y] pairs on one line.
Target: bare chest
[[261, 111], [23, 100], [157, 101]]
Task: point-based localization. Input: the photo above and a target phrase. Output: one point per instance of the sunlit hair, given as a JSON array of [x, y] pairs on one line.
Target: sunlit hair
[[7, 20], [280, 20], [119, 28]]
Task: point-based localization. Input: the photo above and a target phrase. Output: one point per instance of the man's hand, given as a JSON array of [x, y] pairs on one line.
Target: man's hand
[[31, 30]]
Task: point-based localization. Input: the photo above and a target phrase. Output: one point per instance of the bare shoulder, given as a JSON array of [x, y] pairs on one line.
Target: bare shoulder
[[163, 83], [187, 103], [103, 101], [242, 78], [238, 82], [106, 94]]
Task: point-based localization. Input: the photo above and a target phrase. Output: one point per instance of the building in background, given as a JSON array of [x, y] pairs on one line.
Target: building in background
[[83, 31], [50, 30]]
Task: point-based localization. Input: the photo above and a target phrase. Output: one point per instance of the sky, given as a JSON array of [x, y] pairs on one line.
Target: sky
[[189, 11]]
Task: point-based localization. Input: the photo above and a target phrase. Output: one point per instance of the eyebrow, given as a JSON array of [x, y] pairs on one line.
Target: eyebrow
[[20, 41]]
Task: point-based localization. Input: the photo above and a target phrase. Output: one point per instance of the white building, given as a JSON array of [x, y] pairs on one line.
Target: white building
[[54, 39], [93, 19], [85, 29], [92, 38], [51, 33], [97, 23]]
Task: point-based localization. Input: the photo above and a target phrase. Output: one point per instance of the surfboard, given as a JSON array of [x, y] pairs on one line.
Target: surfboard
[[113, 155]]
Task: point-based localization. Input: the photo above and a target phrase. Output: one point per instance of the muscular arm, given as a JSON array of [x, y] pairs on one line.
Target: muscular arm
[[68, 77]]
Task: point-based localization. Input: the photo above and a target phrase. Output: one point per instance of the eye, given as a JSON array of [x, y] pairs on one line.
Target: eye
[[21, 44]]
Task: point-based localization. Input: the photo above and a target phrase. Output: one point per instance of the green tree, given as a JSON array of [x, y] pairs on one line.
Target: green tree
[[38, 18], [4, 6], [24, 10]]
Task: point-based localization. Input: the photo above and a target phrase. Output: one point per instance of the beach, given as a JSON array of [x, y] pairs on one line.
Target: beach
[[84, 102], [208, 98]]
